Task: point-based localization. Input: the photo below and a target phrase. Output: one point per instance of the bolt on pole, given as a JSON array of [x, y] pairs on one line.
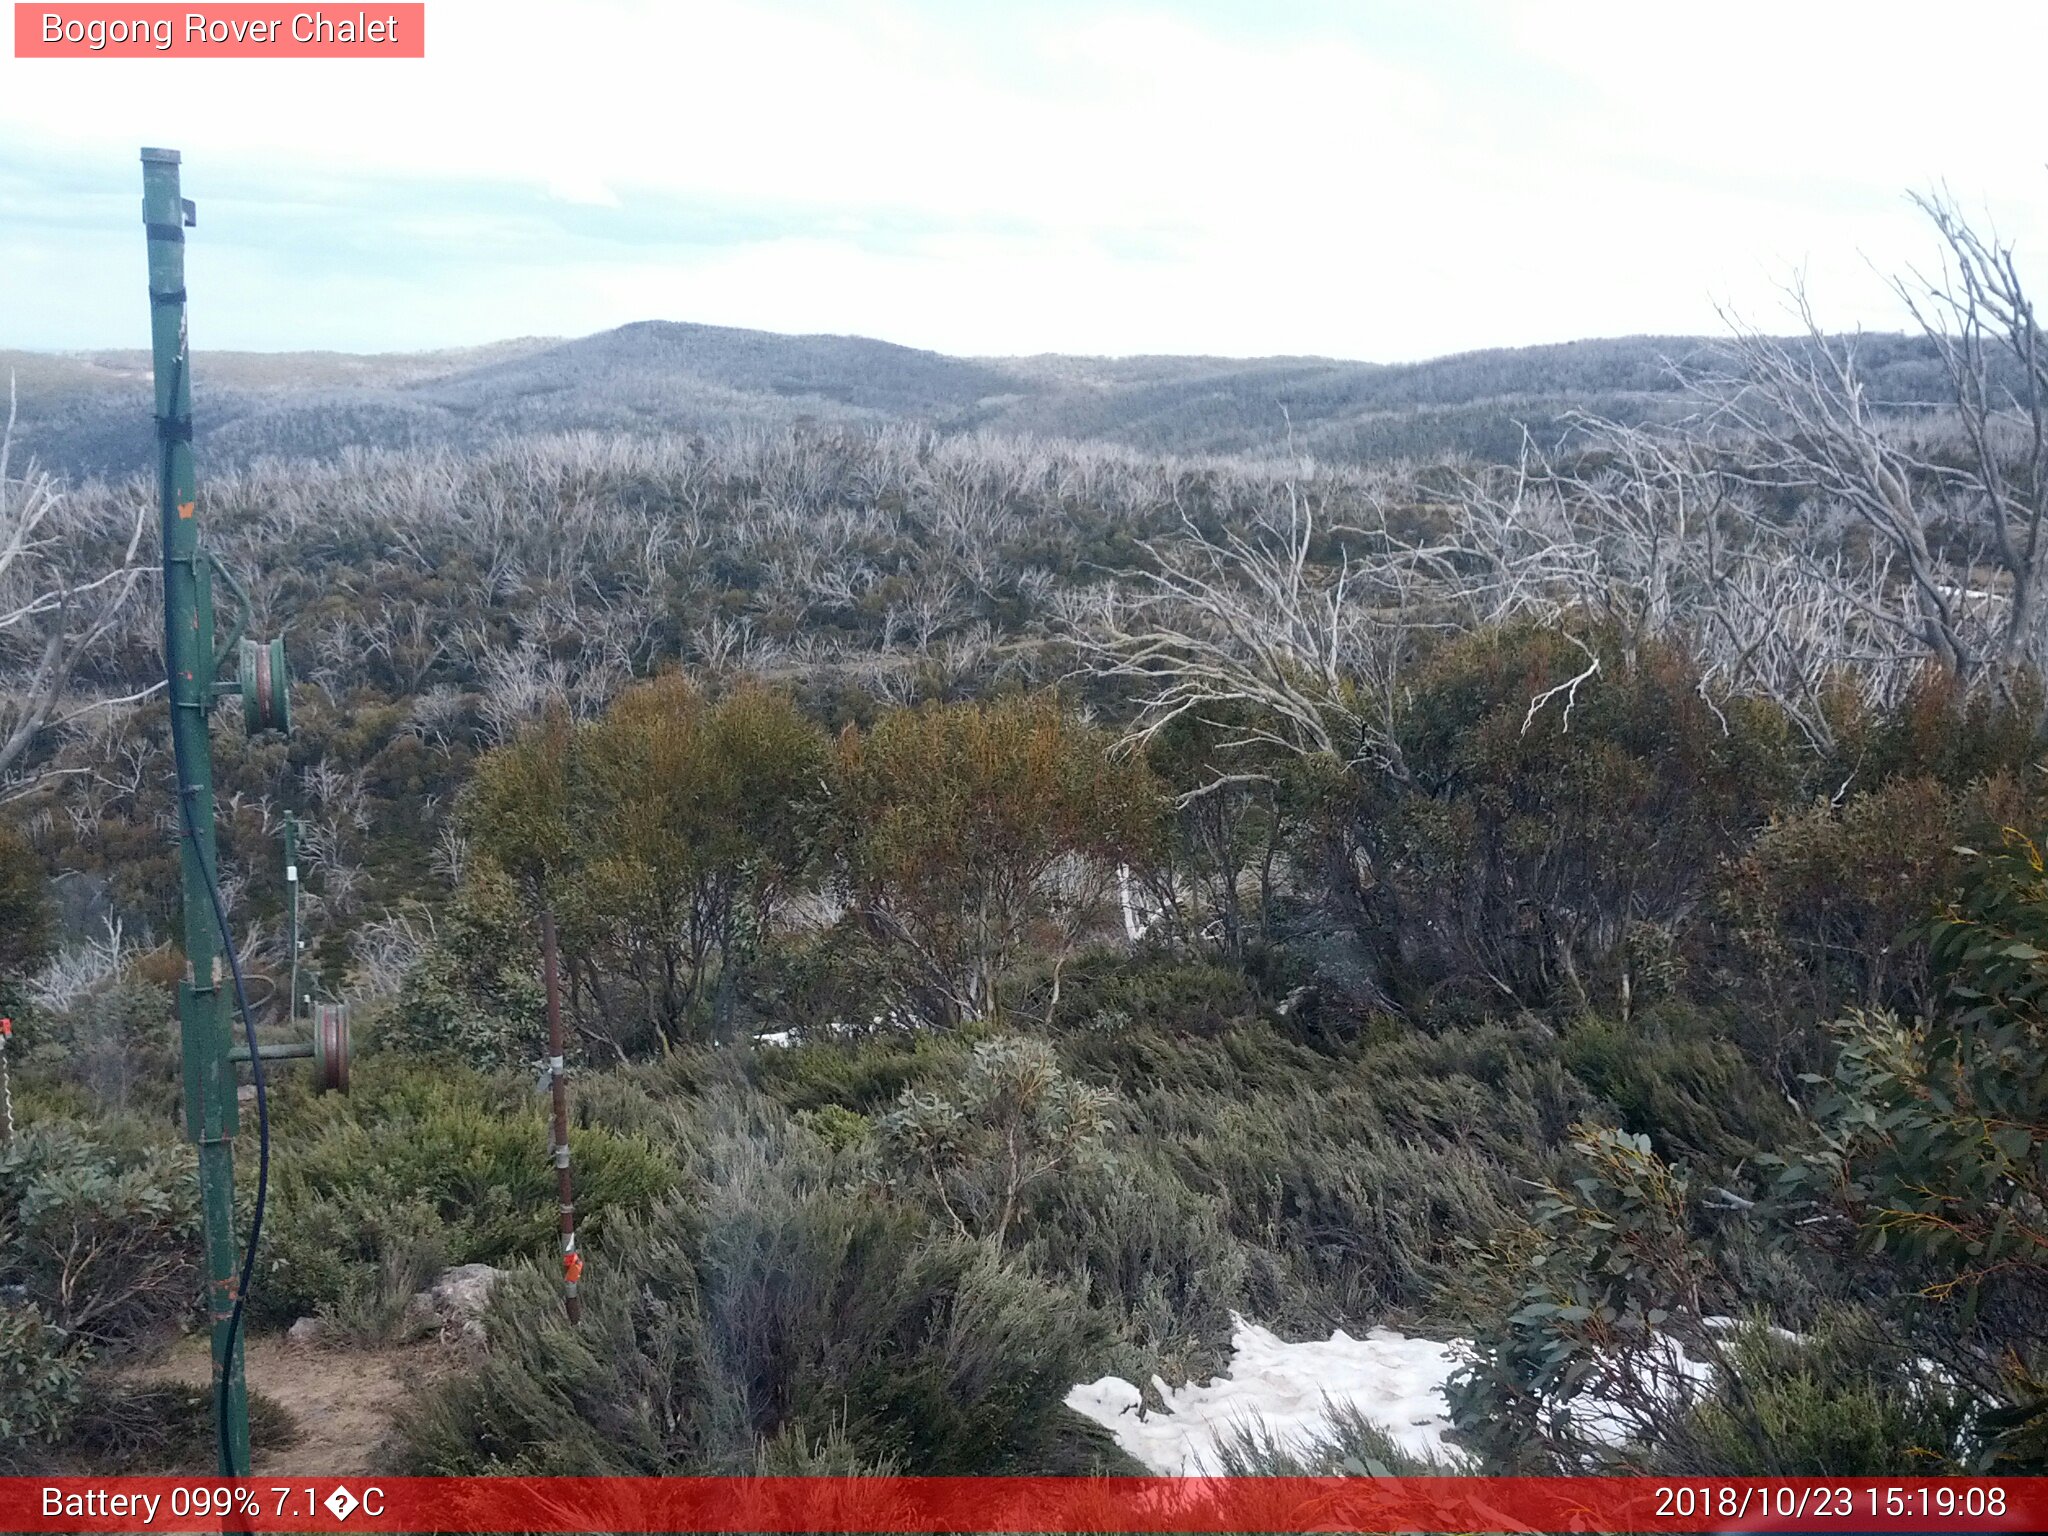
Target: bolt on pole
[[203, 1018]]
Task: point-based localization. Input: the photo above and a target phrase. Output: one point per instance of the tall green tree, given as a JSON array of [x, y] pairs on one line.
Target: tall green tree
[[969, 829], [664, 836]]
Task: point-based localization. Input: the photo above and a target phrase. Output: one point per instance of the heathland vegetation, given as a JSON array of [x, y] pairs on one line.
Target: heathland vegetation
[[1023, 902]]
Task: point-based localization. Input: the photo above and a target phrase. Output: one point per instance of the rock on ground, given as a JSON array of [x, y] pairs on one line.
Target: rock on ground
[[457, 1298]]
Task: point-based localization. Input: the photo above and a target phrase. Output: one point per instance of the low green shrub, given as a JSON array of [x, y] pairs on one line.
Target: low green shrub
[[864, 1075], [475, 996], [1697, 1097], [118, 1043], [101, 1235], [985, 1142], [1352, 1446], [375, 1303], [1157, 1262], [1171, 994], [1841, 1401], [42, 1371], [127, 1428], [1818, 912], [784, 1307], [455, 1160]]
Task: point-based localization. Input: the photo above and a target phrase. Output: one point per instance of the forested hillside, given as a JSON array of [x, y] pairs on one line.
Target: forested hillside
[[1025, 902], [87, 414]]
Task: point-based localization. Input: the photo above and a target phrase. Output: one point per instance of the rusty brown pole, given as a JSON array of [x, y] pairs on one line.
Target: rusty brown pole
[[572, 1261]]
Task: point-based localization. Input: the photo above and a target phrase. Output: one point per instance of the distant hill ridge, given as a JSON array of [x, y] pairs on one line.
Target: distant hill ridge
[[87, 414]]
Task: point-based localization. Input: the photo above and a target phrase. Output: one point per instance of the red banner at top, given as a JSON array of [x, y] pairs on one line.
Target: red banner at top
[[58, 31], [936, 1505]]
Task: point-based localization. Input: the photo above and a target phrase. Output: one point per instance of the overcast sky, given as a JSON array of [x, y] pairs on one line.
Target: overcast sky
[[1364, 180]]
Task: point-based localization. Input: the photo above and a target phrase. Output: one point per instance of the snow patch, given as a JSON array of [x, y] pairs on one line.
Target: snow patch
[[1286, 1391]]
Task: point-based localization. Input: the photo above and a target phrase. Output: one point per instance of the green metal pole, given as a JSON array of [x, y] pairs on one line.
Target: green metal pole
[[203, 1019]]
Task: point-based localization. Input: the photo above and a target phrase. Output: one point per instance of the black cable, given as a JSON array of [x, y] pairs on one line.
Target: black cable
[[186, 790]]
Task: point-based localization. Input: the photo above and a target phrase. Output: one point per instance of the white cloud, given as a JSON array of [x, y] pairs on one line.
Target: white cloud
[[1108, 177]]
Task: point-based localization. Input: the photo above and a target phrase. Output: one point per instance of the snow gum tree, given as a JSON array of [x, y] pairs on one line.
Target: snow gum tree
[[971, 828]]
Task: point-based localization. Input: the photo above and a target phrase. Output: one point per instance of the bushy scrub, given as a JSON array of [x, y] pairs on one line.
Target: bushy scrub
[[1500, 1089], [118, 1042], [1159, 1262], [98, 1254], [1172, 994], [1668, 1076], [785, 1308], [101, 1237], [475, 996], [1612, 1345], [1843, 1400], [1352, 1446], [42, 1372], [970, 829], [27, 931], [1525, 843], [453, 1159], [862, 1075], [1587, 1370], [133, 1428], [664, 837], [1935, 1141], [988, 1148], [1306, 1189], [1362, 1224], [1235, 812], [1823, 911], [1011, 1123]]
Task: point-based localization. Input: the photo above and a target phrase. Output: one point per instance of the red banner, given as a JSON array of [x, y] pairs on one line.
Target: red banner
[[966, 1504], [233, 31]]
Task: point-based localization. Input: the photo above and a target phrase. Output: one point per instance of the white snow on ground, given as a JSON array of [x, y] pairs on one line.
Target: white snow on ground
[[787, 1037], [1286, 1391]]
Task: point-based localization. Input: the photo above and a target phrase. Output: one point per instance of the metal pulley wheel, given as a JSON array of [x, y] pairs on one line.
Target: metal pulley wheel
[[266, 686], [330, 1047]]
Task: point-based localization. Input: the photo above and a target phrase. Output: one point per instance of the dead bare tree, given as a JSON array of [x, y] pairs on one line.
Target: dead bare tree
[[1982, 323], [1660, 536], [1304, 623], [1804, 414], [1960, 533], [54, 611]]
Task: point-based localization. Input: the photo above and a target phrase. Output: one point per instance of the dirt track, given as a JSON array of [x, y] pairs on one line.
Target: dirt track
[[340, 1400]]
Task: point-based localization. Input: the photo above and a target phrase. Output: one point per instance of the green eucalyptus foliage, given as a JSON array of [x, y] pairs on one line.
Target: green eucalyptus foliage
[[1586, 1371], [1937, 1134], [42, 1372], [475, 996], [663, 837], [1525, 845], [1826, 910]]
